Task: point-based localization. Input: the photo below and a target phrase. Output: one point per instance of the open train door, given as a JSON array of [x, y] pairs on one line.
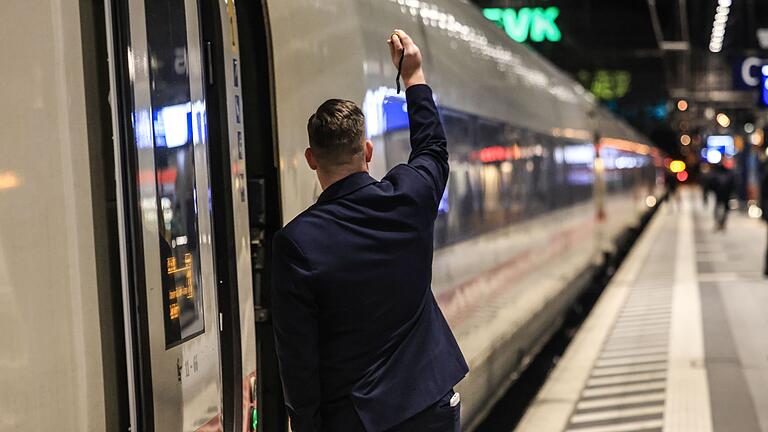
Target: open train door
[[237, 39], [188, 292], [246, 206], [195, 217]]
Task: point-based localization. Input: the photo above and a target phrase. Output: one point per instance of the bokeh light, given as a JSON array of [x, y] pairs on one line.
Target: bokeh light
[[723, 120], [677, 166], [714, 156]]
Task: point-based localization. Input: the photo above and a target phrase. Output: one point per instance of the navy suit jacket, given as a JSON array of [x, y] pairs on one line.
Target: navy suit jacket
[[361, 341]]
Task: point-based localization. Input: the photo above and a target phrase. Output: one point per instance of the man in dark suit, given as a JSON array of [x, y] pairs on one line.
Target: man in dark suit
[[362, 343]]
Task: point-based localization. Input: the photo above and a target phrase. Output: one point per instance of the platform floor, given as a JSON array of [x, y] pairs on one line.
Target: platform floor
[[679, 339]]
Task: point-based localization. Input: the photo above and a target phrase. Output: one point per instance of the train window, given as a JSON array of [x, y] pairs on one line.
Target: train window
[[458, 130], [503, 174], [175, 171]]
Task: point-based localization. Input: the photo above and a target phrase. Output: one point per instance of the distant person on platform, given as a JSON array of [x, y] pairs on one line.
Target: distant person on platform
[[670, 180], [705, 182], [362, 343], [724, 183]]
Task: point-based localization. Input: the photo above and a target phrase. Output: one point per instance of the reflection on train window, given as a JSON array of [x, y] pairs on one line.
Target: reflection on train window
[[175, 165], [502, 174]]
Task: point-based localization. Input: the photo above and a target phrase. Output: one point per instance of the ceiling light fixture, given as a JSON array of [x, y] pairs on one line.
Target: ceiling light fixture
[[719, 25]]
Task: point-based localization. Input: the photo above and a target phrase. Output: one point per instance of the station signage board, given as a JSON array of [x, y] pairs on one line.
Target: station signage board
[[534, 24], [746, 72]]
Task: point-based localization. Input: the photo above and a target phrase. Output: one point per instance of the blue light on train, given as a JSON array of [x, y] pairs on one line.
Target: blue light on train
[[373, 108], [579, 154], [626, 162], [395, 114], [173, 125]]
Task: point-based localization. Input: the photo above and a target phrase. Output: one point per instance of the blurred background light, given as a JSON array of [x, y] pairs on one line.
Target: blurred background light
[[685, 139], [682, 105], [714, 156], [723, 120], [9, 180], [677, 166]]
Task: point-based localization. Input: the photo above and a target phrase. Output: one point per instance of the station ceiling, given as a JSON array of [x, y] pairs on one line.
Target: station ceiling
[[640, 57]]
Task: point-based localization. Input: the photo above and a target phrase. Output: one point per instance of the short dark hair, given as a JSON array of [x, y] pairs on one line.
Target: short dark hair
[[336, 131]]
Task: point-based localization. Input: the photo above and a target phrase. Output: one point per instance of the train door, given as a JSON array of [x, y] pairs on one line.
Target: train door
[[170, 294], [257, 80], [239, 249], [246, 207]]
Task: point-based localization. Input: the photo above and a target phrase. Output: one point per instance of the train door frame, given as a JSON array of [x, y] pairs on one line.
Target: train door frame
[[264, 204], [262, 168], [131, 255], [224, 218], [101, 150], [241, 201], [249, 93]]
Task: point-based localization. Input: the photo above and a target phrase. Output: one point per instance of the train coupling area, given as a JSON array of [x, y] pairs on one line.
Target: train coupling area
[[677, 342]]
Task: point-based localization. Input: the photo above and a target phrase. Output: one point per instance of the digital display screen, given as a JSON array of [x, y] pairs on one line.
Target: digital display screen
[[175, 171]]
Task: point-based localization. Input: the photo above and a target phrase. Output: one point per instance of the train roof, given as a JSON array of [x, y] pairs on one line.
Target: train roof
[[475, 67]]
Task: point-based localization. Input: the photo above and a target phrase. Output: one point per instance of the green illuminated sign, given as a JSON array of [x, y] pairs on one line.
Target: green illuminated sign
[[537, 24], [606, 84]]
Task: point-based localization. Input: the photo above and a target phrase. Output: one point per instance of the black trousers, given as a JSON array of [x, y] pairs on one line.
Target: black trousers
[[721, 213], [440, 417]]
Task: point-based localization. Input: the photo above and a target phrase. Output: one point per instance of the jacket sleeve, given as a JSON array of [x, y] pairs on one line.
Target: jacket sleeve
[[429, 147], [295, 318]]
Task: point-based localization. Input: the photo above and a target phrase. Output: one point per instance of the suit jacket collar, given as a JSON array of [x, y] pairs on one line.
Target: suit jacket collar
[[346, 186]]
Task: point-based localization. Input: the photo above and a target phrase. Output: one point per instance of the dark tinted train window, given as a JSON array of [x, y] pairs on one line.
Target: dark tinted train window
[[461, 197], [175, 171], [626, 171], [502, 174]]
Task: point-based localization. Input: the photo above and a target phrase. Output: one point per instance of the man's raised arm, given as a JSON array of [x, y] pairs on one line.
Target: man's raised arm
[[429, 149]]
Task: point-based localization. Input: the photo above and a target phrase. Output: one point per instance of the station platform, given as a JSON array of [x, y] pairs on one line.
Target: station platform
[[678, 340]]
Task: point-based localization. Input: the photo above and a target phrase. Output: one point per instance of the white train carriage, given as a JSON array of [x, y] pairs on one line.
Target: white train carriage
[[151, 148]]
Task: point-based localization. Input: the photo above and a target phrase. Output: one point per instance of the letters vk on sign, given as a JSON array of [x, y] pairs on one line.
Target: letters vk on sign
[[537, 24]]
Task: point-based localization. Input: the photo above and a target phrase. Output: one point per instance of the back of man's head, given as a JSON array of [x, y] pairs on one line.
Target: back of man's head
[[336, 132]]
